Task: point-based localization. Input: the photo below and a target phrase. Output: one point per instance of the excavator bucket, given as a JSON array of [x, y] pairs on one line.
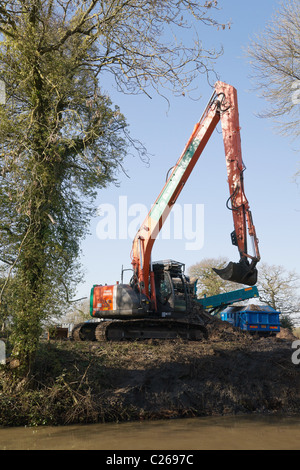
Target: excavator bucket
[[239, 272]]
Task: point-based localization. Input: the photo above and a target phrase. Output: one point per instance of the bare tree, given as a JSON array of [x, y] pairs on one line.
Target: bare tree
[[275, 58], [208, 282], [279, 288], [78, 312]]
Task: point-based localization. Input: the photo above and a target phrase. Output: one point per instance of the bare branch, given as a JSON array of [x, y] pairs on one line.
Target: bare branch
[[275, 58]]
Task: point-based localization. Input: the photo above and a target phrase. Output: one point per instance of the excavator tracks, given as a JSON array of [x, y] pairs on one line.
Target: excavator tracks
[[84, 331], [126, 330]]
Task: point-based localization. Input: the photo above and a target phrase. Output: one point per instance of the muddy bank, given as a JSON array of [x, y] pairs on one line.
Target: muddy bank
[[229, 373]]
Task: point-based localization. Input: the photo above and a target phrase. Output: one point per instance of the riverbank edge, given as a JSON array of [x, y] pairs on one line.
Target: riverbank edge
[[81, 383]]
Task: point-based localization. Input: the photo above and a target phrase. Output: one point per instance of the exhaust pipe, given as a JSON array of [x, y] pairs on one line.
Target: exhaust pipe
[[240, 272]]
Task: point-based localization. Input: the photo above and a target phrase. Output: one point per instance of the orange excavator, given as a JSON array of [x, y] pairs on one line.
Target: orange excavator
[[159, 301]]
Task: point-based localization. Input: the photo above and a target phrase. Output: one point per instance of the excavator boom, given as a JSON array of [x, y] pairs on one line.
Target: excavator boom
[[222, 106], [146, 235]]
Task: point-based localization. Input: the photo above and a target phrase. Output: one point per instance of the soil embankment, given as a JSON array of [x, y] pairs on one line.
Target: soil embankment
[[86, 382]]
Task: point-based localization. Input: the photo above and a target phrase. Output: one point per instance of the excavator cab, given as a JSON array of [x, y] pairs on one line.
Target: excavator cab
[[241, 272], [173, 290]]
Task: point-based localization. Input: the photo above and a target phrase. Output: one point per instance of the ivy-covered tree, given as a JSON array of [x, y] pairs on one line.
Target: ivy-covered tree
[[61, 138]]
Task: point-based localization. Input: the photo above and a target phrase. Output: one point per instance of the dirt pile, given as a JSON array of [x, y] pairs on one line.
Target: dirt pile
[[285, 333]]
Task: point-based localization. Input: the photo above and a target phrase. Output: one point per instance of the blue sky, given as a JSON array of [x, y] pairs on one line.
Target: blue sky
[[271, 162]]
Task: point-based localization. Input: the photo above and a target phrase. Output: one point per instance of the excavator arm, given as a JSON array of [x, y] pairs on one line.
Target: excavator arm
[[222, 106], [243, 272]]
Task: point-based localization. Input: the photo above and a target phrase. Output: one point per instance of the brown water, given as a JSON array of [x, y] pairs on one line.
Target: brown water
[[209, 433]]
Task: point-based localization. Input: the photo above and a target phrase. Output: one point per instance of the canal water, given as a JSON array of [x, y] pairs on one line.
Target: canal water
[[208, 433]]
